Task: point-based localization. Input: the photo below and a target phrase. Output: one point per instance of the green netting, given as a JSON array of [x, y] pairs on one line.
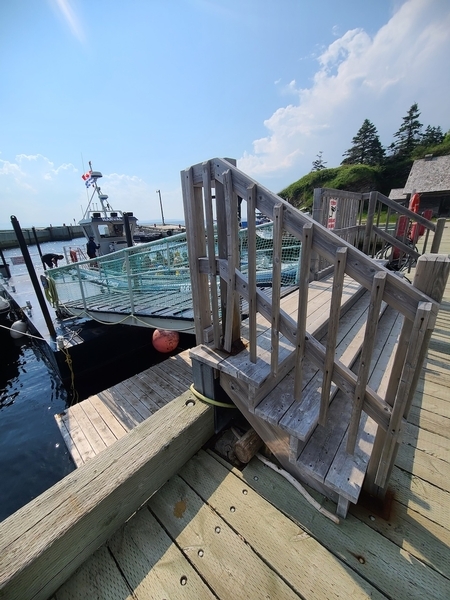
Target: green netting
[[150, 272]]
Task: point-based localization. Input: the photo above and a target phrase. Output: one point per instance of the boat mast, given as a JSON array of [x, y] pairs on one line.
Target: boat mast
[[102, 197]]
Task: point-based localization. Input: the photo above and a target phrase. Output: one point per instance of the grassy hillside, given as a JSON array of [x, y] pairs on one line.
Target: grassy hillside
[[360, 178], [357, 178]]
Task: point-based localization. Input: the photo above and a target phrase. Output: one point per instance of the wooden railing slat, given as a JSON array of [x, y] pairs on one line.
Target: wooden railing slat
[[251, 236], [333, 324], [193, 210], [232, 316], [303, 289], [415, 344], [366, 354], [211, 253], [276, 284]]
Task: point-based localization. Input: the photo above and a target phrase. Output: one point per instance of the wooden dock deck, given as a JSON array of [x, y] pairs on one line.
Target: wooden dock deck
[[97, 422], [214, 531]]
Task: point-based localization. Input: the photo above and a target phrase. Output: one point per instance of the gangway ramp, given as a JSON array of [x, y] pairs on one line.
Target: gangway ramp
[[149, 284]]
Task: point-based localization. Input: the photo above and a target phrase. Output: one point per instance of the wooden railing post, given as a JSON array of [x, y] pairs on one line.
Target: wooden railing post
[[369, 223], [317, 216], [196, 243], [437, 238]]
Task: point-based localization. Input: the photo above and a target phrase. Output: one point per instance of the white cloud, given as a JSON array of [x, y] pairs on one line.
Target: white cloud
[[38, 191], [360, 77], [67, 12]]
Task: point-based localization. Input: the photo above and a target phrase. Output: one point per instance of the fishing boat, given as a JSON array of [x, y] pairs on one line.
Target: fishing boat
[[108, 227]]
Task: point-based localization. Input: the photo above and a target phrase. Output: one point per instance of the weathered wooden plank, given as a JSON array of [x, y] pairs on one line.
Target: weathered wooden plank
[[152, 564], [98, 578], [71, 445], [434, 388], [421, 464], [79, 439], [119, 406], [374, 405], [217, 552], [211, 253], [346, 473], [101, 427], [114, 424], [251, 233], [421, 496], [289, 550], [397, 573], [232, 313], [399, 410], [430, 442], [333, 325], [376, 298], [413, 533], [422, 415], [128, 390], [276, 284], [302, 310], [318, 453], [156, 388], [93, 437], [193, 211], [177, 370], [276, 439], [44, 542], [303, 415], [143, 403]]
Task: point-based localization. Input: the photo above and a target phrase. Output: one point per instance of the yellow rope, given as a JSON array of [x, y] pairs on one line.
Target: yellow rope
[[209, 400], [69, 363], [50, 292]]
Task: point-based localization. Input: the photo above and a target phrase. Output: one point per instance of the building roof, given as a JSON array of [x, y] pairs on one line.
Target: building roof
[[429, 175], [397, 194]]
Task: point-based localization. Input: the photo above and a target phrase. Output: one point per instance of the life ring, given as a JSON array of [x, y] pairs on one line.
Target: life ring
[[414, 203], [400, 234], [73, 256]]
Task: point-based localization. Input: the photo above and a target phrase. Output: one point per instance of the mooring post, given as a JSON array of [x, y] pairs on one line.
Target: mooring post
[[34, 280]]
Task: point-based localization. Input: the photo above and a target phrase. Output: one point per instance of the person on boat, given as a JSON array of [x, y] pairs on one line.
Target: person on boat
[[92, 247], [51, 260]]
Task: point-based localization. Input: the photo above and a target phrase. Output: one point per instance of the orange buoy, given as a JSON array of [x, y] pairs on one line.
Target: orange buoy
[[164, 340]]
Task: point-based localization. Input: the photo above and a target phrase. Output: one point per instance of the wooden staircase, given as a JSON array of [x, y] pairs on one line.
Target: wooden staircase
[[313, 453], [325, 376]]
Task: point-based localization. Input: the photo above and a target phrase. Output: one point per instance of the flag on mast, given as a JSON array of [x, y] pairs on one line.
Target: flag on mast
[[88, 179]]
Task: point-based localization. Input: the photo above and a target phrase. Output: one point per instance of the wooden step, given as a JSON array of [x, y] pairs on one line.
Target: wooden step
[[324, 457], [299, 417]]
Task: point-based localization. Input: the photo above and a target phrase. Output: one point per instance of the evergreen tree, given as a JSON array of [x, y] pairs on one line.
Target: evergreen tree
[[408, 136], [366, 149], [432, 136], [318, 164]]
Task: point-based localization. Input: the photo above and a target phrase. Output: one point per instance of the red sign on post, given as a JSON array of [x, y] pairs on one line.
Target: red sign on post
[[332, 214]]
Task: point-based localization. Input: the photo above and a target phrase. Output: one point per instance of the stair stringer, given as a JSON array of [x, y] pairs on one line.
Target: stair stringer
[[274, 437]]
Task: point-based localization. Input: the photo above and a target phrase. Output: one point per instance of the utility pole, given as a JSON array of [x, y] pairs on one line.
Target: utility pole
[[160, 203]]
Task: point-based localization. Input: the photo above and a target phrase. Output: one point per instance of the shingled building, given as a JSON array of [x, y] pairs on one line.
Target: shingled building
[[430, 177]]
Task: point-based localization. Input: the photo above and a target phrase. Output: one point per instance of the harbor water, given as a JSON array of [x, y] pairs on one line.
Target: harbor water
[[33, 455]]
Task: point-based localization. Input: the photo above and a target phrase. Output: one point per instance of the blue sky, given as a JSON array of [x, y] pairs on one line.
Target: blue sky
[[146, 88]]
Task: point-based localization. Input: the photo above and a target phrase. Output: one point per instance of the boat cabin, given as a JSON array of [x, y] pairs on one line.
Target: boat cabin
[[107, 226]]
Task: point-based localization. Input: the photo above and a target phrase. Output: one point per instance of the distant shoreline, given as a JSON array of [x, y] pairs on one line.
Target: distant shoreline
[[58, 233]]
